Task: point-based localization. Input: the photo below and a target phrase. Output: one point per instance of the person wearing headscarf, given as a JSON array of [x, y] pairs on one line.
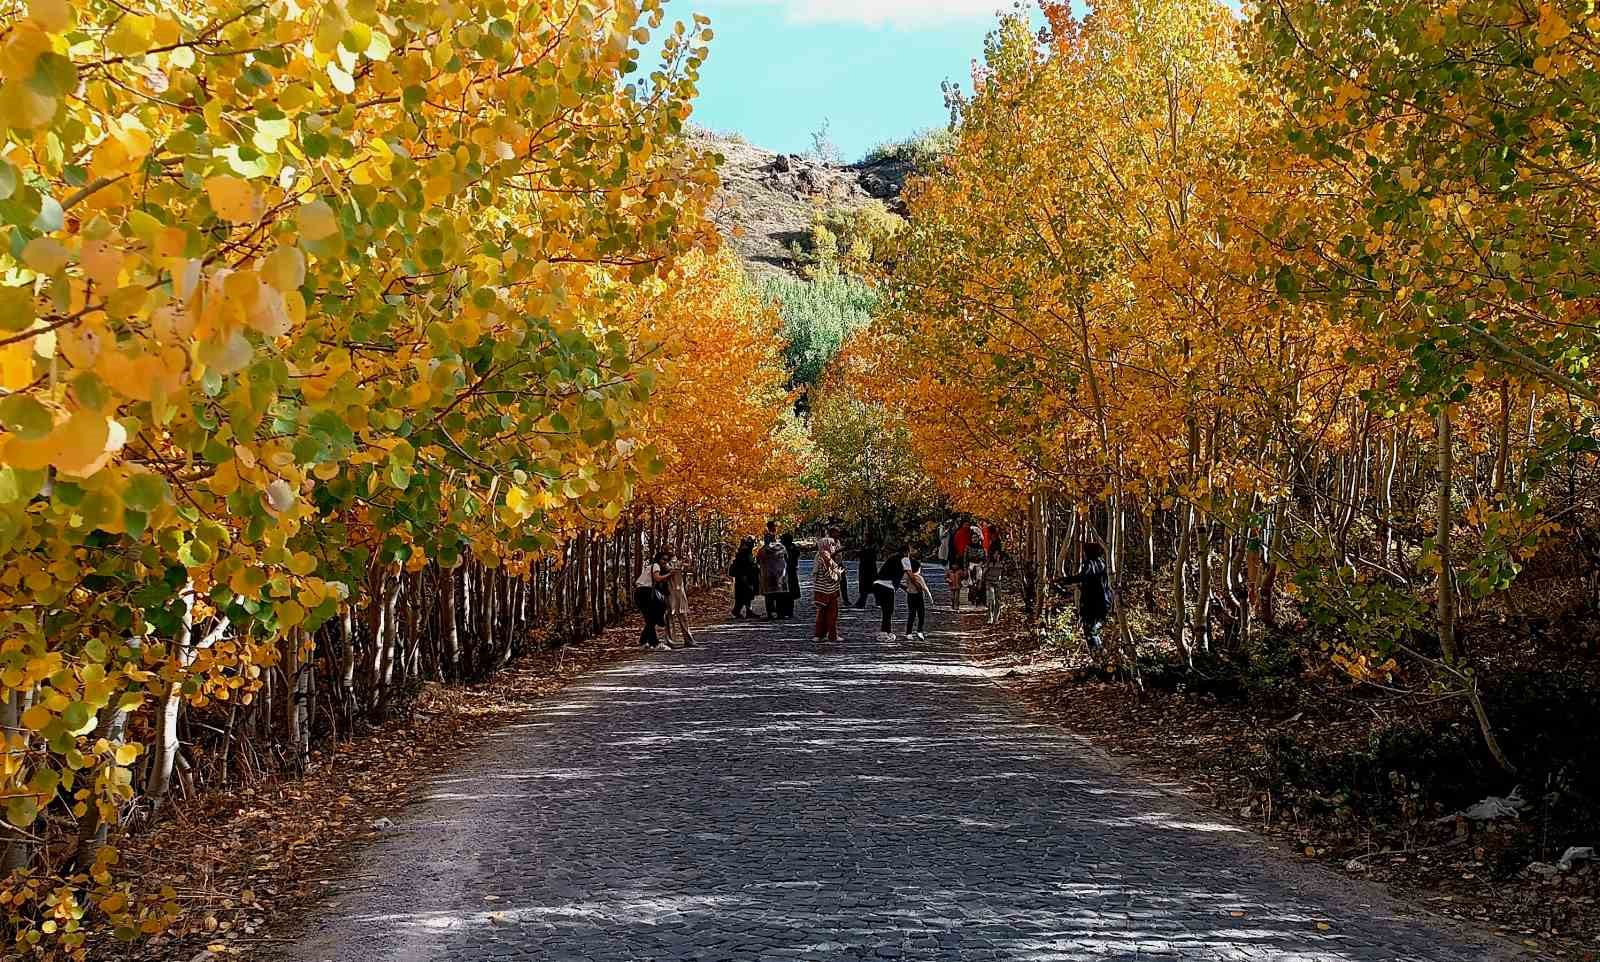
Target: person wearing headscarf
[[774, 563], [791, 576], [746, 578]]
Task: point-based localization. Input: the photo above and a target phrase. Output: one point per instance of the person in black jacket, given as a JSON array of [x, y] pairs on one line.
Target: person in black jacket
[[891, 574], [792, 573], [866, 570], [1094, 593], [746, 578]]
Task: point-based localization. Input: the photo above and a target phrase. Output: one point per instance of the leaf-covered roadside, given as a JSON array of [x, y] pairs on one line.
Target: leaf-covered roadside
[[242, 860], [1268, 758]]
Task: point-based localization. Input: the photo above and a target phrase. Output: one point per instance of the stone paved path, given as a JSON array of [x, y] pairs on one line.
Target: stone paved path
[[754, 799]]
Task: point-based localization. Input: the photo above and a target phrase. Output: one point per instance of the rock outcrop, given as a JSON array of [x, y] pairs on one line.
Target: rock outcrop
[[774, 196]]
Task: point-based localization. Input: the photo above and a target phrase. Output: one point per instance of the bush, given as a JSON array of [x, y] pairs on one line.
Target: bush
[[848, 240], [922, 150]]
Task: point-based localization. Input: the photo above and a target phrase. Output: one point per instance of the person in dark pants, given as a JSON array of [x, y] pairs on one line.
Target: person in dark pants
[[746, 578], [774, 572], [890, 576], [1094, 593], [792, 575], [917, 595], [647, 594], [866, 571]]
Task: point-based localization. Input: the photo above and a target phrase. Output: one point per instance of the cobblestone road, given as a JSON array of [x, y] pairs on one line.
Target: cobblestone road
[[754, 799]]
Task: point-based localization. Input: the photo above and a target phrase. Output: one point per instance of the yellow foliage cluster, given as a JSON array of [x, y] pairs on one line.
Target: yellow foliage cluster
[[294, 292]]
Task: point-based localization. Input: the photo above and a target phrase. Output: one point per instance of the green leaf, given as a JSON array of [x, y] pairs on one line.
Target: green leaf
[[144, 492], [24, 416]]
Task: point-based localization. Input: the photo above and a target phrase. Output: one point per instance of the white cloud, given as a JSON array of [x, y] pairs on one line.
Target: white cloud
[[898, 13]]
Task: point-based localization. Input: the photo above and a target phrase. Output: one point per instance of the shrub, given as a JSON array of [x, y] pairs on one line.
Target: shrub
[[921, 150]]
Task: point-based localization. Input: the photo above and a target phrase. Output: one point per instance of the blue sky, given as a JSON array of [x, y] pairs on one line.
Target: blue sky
[[870, 68]]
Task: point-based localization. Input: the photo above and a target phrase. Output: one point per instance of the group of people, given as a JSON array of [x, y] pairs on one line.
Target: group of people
[[662, 594], [974, 558], [770, 572]]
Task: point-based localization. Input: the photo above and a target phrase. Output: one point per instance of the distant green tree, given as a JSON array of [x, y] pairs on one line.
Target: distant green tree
[[818, 315]]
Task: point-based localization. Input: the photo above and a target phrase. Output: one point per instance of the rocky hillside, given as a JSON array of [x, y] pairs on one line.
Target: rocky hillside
[[773, 196]]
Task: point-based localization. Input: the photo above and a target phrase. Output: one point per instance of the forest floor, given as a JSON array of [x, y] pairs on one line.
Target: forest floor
[[240, 856], [1248, 758]]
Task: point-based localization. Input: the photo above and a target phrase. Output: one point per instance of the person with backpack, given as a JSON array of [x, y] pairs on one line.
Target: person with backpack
[[1094, 593]]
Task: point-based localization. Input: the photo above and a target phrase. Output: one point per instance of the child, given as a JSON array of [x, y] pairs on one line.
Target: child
[[953, 573], [917, 594]]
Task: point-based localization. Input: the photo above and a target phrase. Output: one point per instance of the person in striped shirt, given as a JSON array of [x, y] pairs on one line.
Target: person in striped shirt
[[825, 585]]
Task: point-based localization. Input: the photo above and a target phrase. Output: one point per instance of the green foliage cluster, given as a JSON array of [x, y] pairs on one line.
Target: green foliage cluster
[[922, 150], [848, 240], [818, 316]]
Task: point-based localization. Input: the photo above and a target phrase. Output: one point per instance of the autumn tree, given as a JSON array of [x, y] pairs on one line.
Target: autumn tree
[[323, 362]]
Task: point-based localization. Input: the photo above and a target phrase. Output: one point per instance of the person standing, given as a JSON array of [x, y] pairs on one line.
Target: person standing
[[835, 544], [791, 575], [955, 572], [678, 599], [917, 595], [866, 571], [827, 581], [890, 576], [652, 603], [1094, 593], [993, 579], [774, 565], [746, 576]]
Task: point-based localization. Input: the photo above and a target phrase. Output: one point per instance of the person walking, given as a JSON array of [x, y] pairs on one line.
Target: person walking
[[791, 575], [651, 602], [827, 582], [1094, 593], [746, 576], [917, 595], [678, 599], [774, 566], [891, 574], [866, 571]]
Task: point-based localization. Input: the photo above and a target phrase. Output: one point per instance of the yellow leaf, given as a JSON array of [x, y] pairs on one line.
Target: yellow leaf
[[234, 199], [45, 255], [127, 754], [284, 269], [317, 221], [37, 717], [16, 366], [16, 308], [102, 262], [86, 442], [291, 614], [302, 563], [53, 15]]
